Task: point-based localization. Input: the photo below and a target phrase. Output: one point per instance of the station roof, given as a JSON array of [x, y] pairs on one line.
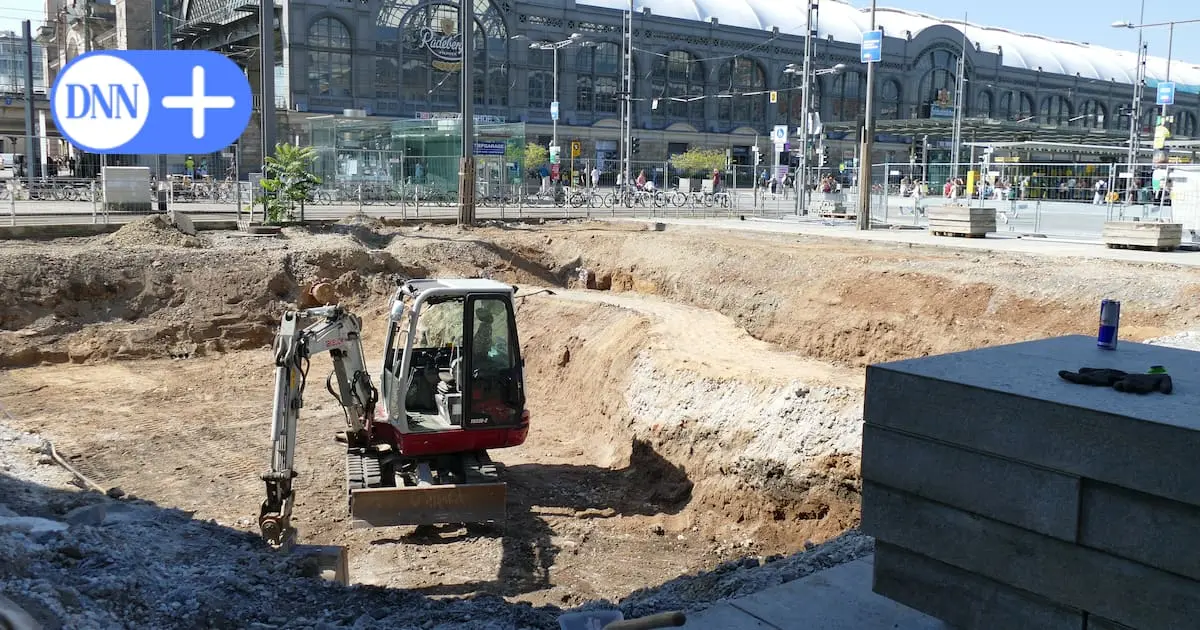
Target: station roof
[[846, 23], [988, 130]]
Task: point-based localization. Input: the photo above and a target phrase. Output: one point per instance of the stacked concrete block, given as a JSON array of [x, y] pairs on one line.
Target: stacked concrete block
[[961, 220], [820, 203], [1143, 235], [1002, 496]]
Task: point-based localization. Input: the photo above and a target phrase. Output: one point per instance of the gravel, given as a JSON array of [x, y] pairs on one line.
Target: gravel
[[1186, 340]]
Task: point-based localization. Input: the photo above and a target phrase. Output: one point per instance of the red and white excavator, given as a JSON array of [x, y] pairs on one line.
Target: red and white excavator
[[453, 388]]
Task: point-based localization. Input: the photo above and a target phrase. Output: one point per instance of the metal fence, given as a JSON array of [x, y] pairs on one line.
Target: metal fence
[[1066, 200]]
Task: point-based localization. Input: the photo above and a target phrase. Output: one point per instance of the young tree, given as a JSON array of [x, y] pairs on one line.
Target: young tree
[[288, 180], [699, 161], [536, 155]]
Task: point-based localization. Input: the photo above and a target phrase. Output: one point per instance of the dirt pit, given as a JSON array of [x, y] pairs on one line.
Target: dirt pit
[[699, 406]]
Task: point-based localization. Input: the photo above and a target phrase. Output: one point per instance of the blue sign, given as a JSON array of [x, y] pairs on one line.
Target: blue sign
[[151, 102], [1166, 93], [8, 100], [872, 46], [490, 148], [554, 110]]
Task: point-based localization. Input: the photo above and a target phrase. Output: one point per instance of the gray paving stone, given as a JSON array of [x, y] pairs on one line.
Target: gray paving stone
[[1107, 586], [1100, 623], [1003, 489], [965, 600], [1142, 527], [839, 598], [1009, 401]]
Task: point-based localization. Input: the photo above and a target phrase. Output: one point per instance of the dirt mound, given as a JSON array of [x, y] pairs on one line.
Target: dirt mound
[[154, 230]]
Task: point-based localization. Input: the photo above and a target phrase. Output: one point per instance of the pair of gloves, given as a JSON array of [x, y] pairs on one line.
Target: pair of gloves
[[1120, 381]]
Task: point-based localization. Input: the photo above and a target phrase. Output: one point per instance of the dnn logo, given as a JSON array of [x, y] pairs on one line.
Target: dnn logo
[[150, 102]]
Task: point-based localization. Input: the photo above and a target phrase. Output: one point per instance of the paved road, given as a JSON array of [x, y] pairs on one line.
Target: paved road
[[1054, 218]]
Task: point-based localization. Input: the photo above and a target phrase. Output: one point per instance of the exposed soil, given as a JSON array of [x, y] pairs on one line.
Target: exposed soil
[[703, 405]]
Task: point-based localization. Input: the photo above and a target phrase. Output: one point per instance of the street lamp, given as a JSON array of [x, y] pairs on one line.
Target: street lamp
[[555, 47]]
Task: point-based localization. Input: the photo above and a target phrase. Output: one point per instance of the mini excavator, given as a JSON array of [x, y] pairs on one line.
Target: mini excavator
[[453, 388]]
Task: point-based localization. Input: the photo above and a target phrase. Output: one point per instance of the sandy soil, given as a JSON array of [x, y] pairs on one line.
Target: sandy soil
[[704, 405]]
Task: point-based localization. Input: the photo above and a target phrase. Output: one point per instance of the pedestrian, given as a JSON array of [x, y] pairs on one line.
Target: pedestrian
[[595, 177]]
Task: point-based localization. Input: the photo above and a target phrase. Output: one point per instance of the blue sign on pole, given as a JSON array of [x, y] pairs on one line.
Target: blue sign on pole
[[872, 46], [554, 110], [490, 148], [1166, 93]]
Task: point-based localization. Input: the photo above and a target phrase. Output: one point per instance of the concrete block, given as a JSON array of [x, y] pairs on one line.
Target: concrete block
[[1100, 623], [1002, 489], [963, 599], [330, 562], [1070, 575], [961, 213], [1009, 401], [838, 598], [183, 222], [1141, 527], [1143, 234]]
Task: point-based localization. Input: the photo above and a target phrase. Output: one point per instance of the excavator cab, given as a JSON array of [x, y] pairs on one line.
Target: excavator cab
[[459, 368]]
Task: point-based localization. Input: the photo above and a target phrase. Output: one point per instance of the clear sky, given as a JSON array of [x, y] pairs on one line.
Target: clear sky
[[1076, 20]]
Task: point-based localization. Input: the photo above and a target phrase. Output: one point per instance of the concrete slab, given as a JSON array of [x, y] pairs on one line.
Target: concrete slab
[[725, 615], [1009, 401], [963, 599], [1140, 527], [1114, 588], [1003, 489], [839, 598]]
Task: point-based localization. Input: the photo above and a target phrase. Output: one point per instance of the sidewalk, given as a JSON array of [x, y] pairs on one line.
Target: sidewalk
[[834, 599], [998, 242]]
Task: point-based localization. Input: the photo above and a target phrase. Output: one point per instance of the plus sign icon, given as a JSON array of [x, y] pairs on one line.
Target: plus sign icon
[[151, 102]]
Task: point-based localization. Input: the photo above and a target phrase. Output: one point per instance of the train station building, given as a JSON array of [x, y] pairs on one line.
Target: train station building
[[706, 74]]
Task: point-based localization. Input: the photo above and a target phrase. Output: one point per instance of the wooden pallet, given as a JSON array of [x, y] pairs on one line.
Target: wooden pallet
[[960, 234], [1143, 248]]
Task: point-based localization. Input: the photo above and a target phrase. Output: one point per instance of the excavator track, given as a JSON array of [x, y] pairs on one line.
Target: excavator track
[[365, 470]]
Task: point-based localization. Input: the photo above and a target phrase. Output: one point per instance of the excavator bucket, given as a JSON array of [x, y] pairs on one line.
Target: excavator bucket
[[428, 505]]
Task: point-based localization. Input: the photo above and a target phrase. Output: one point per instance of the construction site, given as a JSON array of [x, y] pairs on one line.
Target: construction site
[[694, 399]]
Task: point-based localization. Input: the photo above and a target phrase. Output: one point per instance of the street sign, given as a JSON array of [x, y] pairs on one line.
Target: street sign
[[494, 147], [555, 158], [576, 148], [774, 96], [1166, 93], [779, 134], [872, 46], [554, 110]]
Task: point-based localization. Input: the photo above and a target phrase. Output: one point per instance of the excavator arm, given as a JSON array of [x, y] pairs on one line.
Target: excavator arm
[[302, 334]]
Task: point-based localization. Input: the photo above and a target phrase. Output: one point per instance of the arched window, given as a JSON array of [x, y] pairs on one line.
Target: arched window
[[1185, 125], [1056, 110], [983, 105], [848, 96], [791, 102], [419, 54], [889, 100], [737, 76], [1015, 106], [677, 76], [1094, 115], [599, 70], [541, 80], [329, 54], [938, 70]]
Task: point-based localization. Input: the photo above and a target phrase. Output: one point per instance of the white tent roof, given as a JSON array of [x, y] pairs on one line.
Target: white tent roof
[[846, 24]]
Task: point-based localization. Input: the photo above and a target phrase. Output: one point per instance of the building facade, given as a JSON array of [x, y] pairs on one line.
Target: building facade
[[12, 89], [700, 79]]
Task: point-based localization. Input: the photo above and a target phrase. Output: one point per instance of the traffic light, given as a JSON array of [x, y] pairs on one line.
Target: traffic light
[[824, 156], [637, 145], [757, 158]]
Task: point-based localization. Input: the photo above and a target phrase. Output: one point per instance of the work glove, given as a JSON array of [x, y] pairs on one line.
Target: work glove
[[1101, 377], [1144, 383]]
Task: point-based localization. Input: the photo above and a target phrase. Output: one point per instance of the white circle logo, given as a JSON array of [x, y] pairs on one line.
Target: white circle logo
[[101, 102]]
